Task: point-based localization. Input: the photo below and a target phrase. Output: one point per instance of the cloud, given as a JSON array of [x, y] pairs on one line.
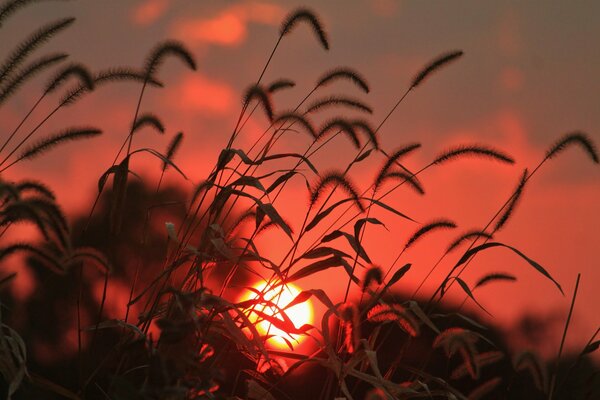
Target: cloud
[[385, 8], [509, 38], [230, 26], [511, 79], [149, 11], [199, 93]]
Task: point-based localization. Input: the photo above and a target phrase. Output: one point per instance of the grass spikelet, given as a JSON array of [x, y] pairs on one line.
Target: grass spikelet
[[350, 327], [484, 389], [444, 337], [29, 72], [513, 202], [473, 150], [346, 74], [482, 359], [338, 101], [404, 177], [528, 361], [460, 340], [434, 65], [291, 116], [570, 139], [12, 6], [468, 353], [49, 208], [338, 179], [373, 274], [308, 16], [472, 234], [97, 258], [172, 149], [48, 259], [368, 129], [496, 276], [280, 84], [428, 228], [258, 93], [393, 159], [395, 313], [23, 212], [36, 187], [55, 140], [78, 71], [31, 43], [148, 119], [106, 76], [340, 124], [168, 48]]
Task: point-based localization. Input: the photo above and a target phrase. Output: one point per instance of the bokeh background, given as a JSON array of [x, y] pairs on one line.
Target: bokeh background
[[528, 76]]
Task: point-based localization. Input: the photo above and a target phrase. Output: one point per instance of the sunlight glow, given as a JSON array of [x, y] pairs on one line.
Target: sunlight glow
[[299, 314]]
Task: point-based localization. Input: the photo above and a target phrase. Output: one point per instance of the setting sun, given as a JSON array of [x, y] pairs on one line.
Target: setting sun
[[299, 314]]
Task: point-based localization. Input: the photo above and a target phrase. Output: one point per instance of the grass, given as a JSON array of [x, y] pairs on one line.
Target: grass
[[183, 336]]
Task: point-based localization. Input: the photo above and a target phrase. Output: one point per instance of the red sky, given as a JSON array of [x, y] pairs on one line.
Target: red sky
[[528, 76]]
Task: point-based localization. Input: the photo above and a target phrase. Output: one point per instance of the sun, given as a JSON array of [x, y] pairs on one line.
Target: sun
[[299, 314]]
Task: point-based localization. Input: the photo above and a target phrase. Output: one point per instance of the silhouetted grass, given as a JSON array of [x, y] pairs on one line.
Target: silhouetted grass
[[184, 335]]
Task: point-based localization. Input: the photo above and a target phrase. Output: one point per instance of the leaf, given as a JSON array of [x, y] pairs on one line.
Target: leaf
[[361, 222], [466, 289], [285, 324], [592, 347], [362, 156], [485, 246], [355, 244], [283, 178], [320, 295], [318, 266], [164, 159], [391, 209], [274, 216], [398, 274], [322, 251], [416, 309], [248, 181], [119, 193], [319, 217], [116, 323]]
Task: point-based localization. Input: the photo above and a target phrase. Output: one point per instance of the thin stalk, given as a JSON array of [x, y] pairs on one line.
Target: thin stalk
[[12, 134], [562, 341]]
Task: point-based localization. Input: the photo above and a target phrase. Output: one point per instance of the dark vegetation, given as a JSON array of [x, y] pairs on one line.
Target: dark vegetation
[[181, 336]]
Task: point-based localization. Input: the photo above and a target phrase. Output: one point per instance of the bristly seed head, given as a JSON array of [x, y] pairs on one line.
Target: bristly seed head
[[304, 14], [579, 138], [344, 73], [257, 92], [338, 179], [434, 65]]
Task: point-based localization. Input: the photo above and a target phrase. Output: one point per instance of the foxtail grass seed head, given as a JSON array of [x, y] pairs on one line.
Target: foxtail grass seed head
[[310, 18]]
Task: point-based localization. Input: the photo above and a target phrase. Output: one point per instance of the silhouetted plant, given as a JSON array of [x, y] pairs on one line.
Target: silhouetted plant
[[183, 335]]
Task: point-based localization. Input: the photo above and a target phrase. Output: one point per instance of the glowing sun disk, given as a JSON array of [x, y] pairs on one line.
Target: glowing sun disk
[[299, 314]]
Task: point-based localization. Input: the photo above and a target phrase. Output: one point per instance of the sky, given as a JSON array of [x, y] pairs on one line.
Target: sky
[[527, 77]]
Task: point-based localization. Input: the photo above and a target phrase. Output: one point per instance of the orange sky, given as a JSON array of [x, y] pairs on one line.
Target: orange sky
[[528, 76]]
